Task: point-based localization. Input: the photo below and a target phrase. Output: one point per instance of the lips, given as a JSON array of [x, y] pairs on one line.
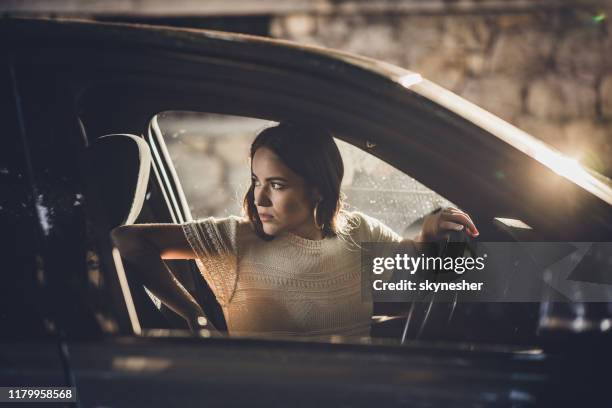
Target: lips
[[265, 217]]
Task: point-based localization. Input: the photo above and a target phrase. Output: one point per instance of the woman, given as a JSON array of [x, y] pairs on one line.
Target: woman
[[292, 264]]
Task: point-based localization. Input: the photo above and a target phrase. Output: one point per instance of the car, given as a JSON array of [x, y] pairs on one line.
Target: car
[[72, 316]]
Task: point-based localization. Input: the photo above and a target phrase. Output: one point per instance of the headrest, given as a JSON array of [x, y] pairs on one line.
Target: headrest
[[117, 169]]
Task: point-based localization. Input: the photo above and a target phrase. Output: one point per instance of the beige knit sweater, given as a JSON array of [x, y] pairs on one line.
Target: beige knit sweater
[[290, 285]]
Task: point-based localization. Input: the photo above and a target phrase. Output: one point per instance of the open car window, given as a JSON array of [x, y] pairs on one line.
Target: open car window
[[210, 154]]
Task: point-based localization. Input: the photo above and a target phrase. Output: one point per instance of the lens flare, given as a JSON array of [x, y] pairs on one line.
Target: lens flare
[[599, 17]]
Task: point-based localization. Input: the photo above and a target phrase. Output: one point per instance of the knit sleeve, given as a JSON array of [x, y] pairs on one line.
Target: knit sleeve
[[215, 243], [373, 230]]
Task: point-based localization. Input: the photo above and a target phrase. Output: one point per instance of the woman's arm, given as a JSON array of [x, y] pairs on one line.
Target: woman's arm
[[143, 247]]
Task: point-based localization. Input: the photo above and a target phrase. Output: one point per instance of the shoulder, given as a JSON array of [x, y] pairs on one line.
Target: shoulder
[[220, 234], [227, 224], [365, 228]]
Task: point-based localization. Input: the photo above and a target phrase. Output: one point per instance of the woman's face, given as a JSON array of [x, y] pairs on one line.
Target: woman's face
[[281, 197]]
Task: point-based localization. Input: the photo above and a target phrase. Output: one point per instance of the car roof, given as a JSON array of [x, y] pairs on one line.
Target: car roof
[[357, 70], [240, 46]]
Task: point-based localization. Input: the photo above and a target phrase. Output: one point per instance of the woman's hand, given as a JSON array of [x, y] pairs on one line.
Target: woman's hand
[[437, 225]]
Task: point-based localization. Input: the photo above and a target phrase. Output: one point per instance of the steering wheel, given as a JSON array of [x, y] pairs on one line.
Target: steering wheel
[[455, 245]]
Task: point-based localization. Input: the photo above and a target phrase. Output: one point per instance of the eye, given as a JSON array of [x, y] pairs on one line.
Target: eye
[[277, 186], [255, 181]]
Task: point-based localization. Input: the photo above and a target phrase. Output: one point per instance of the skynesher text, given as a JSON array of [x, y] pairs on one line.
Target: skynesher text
[[426, 285]]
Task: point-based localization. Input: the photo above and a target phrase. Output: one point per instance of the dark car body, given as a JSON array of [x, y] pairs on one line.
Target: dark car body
[[66, 83]]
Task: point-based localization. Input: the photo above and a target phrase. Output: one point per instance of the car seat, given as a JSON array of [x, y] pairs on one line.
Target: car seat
[[117, 170]]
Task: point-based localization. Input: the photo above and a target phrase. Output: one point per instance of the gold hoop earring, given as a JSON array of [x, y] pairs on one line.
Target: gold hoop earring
[[316, 220]]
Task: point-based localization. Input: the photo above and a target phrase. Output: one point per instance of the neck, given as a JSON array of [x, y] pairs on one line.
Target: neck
[[309, 232]]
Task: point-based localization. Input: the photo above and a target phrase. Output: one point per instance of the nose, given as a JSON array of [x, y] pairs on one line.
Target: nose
[[262, 199]]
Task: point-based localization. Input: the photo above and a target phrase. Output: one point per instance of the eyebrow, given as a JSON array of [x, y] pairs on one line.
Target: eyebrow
[[274, 178]]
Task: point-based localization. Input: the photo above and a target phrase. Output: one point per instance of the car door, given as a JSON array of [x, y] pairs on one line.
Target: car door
[[32, 351], [82, 81], [112, 367]]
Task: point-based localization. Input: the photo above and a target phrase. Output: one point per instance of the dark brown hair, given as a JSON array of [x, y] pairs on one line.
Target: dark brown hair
[[310, 152]]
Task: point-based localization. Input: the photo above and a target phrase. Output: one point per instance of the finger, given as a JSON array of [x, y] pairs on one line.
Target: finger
[[453, 210], [459, 217], [474, 230], [447, 225], [456, 211], [462, 219], [450, 209]]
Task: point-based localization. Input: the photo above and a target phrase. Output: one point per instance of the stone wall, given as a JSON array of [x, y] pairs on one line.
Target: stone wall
[[547, 71]]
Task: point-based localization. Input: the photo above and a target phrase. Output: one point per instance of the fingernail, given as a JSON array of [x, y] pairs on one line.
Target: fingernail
[[459, 227]]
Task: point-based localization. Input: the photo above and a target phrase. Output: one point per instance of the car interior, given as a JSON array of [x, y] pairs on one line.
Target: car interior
[[118, 193], [128, 191]]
